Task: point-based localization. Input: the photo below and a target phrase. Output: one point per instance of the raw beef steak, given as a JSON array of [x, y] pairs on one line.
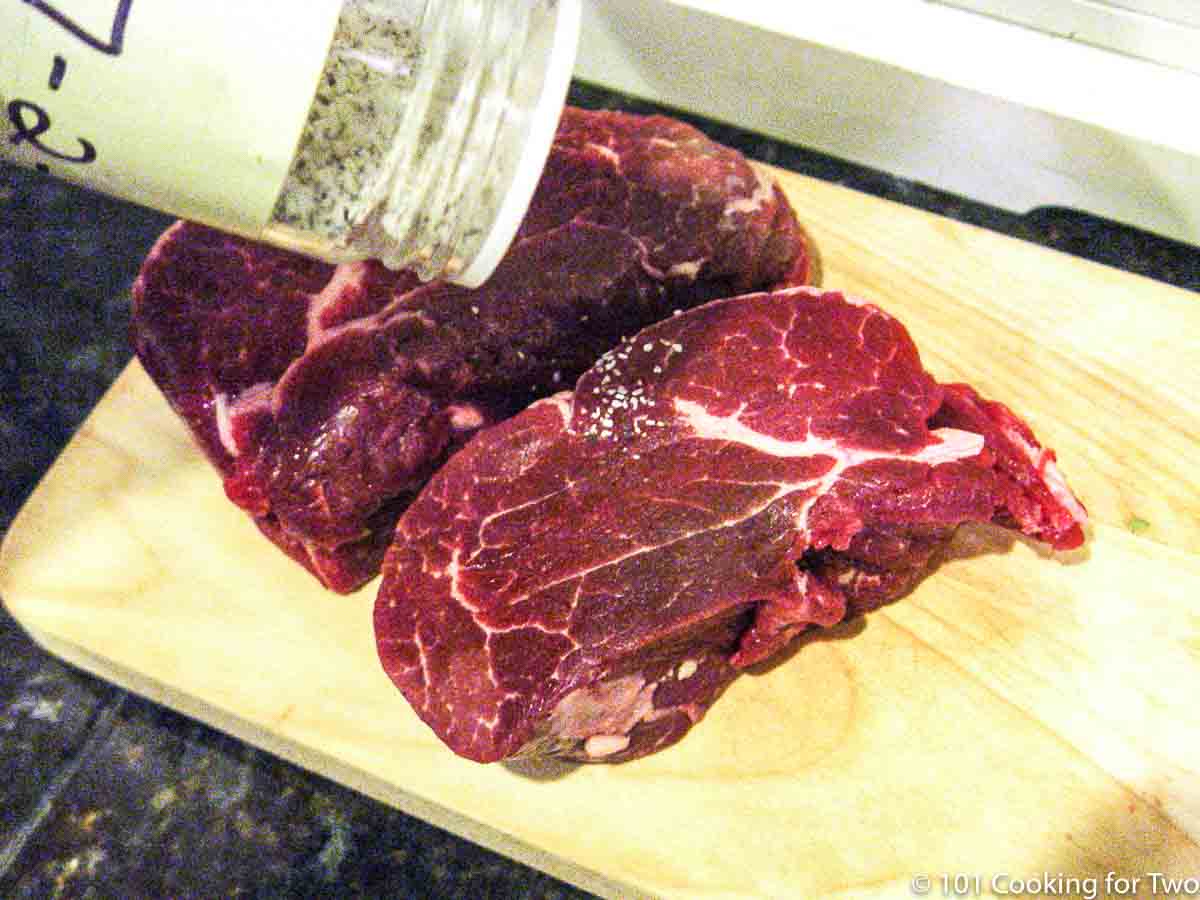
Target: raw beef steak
[[585, 578], [327, 396]]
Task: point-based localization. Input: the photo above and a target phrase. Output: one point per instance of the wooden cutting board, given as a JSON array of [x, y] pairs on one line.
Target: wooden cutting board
[[1021, 716]]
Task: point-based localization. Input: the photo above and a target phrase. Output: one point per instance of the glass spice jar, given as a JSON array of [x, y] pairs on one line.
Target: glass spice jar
[[412, 131], [431, 124]]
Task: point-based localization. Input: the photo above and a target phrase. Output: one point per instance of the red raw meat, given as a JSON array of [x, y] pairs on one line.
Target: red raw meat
[[325, 396], [585, 578]]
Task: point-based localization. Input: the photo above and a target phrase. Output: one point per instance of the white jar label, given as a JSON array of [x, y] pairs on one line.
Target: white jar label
[[193, 108]]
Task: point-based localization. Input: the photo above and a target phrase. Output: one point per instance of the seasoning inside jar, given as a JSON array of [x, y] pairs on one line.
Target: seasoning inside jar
[[412, 131], [427, 134], [352, 123]]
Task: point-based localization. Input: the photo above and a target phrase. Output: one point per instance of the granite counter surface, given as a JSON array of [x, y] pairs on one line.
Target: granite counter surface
[[106, 794]]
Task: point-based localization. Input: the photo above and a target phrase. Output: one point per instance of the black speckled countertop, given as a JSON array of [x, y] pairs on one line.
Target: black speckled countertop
[[106, 794]]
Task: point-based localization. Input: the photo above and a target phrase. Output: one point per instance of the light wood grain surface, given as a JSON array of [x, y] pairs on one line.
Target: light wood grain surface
[[1021, 714]]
